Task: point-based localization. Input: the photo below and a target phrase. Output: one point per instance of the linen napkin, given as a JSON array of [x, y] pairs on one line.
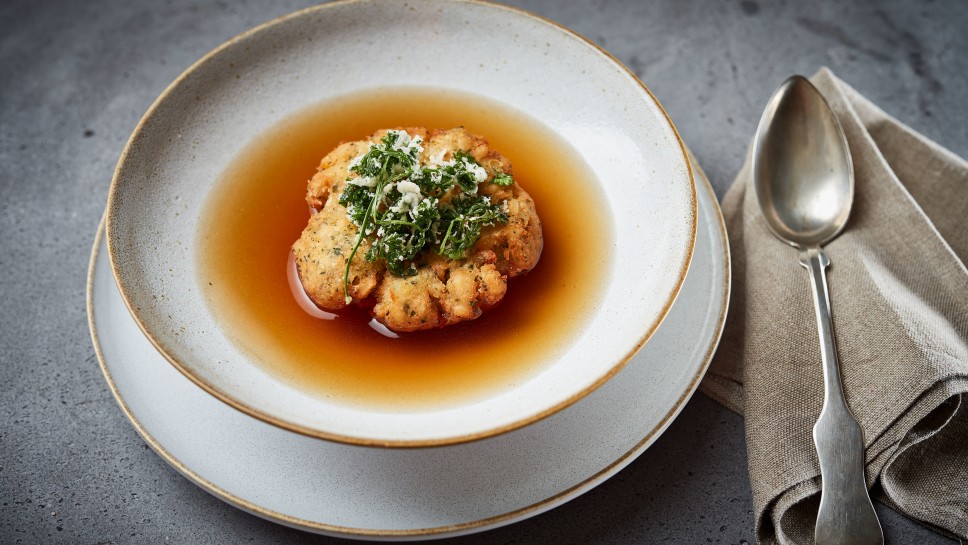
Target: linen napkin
[[899, 296]]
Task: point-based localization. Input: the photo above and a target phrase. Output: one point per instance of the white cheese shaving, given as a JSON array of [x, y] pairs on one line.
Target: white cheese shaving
[[403, 142], [410, 197], [356, 161], [476, 170], [437, 159], [407, 186], [362, 181]]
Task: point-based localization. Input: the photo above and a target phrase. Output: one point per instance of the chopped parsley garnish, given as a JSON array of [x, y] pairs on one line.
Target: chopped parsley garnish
[[502, 179], [464, 218], [395, 202]]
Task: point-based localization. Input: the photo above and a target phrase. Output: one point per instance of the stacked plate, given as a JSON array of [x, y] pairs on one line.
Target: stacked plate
[[260, 442]]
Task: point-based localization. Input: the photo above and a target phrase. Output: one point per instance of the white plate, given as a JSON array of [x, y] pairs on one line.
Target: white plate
[[598, 109], [400, 494]]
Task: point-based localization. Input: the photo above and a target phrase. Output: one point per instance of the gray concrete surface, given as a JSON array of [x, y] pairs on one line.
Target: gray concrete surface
[[75, 77]]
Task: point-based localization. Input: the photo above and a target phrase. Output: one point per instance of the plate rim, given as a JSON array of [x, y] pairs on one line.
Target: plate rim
[[280, 422], [440, 531]]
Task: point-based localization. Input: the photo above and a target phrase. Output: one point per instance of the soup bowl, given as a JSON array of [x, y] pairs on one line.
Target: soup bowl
[[206, 118]]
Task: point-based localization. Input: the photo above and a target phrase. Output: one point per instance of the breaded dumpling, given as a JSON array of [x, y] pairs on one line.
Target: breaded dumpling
[[456, 189]]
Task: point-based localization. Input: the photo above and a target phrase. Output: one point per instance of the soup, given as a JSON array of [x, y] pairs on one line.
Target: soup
[[258, 210]]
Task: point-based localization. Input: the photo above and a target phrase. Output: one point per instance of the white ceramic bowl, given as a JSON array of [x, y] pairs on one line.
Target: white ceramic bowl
[[240, 90]]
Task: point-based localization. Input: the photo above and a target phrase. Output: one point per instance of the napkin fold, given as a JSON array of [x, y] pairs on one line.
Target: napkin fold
[[899, 294]]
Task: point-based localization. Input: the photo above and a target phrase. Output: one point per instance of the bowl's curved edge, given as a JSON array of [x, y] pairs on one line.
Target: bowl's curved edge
[[367, 442]]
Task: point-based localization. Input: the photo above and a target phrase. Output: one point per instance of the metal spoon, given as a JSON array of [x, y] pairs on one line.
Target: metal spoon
[[805, 187]]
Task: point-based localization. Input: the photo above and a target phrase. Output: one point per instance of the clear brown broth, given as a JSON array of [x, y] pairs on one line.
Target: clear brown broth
[[258, 210]]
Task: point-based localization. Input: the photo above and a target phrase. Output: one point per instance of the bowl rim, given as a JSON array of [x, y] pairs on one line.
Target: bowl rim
[[244, 407]]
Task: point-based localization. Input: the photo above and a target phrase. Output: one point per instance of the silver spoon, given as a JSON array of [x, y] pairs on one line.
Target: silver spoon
[[805, 187]]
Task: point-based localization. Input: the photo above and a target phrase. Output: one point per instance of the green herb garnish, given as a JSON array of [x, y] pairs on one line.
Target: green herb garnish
[[502, 179], [394, 201], [464, 219]]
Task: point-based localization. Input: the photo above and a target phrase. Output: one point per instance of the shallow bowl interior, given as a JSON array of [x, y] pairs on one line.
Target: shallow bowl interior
[[239, 91]]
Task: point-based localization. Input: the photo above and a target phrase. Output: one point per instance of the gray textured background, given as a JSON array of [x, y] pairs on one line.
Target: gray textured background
[[75, 77]]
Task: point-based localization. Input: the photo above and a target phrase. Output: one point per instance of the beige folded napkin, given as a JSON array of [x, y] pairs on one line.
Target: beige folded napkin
[[899, 293]]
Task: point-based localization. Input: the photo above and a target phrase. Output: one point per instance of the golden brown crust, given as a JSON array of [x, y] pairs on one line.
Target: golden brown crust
[[443, 292]]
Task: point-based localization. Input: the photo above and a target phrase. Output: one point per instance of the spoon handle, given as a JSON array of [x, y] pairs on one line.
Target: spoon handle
[[846, 515]]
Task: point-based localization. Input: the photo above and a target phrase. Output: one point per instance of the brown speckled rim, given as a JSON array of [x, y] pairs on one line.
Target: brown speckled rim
[[375, 442], [440, 531]]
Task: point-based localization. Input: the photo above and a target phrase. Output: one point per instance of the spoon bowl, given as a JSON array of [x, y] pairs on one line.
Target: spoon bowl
[[802, 168]]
